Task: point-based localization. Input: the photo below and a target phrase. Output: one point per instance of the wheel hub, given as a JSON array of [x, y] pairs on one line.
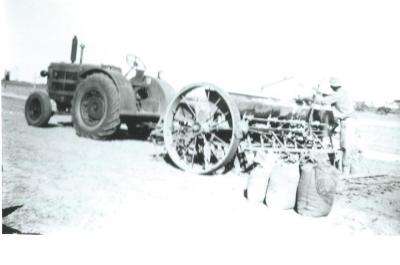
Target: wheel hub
[[92, 108], [196, 128], [96, 108]]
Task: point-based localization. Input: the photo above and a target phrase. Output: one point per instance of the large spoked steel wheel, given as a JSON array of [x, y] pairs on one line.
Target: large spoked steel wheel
[[201, 128], [95, 107], [38, 109]]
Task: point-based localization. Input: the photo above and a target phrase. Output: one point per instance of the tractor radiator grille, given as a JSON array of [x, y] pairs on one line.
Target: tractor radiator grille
[[71, 75], [59, 86], [65, 75], [69, 87]]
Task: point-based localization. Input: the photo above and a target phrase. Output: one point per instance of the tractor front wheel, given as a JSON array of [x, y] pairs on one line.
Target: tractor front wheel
[[38, 109], [96, 107]]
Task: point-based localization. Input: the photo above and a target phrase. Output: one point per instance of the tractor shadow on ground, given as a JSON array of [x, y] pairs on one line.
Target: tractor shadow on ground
[[168, 160], [49, 126], [58, 124], [123, 134], [64, 124], [143, 135], [9, 230], [228, 167]]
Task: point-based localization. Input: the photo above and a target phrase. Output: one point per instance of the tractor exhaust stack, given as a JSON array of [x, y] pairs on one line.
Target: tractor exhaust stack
[[82, 48], [73, 49]]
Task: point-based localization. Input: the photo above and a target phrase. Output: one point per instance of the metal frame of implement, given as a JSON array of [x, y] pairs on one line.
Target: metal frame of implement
[[204, 128]]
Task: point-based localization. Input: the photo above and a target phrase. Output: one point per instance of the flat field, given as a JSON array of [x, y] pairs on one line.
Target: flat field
[[63, 184]]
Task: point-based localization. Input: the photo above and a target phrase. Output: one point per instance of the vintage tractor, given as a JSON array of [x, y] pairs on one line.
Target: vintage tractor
[[99, 97], [205, 128]]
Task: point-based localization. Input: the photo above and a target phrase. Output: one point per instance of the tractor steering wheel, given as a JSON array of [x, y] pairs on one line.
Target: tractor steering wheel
[[135, 63]]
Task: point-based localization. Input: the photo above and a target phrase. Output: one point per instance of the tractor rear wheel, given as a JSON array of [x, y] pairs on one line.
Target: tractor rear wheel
[[95, 107], [38, 109]]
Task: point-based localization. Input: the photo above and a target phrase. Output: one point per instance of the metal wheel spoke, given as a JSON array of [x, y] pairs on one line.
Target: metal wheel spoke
[[181, 110], [183, 123], [208, 94], [216, 109], [195, 142], [206, 152], [183, 129], [214, 136], [181, 136], [196, 107], [184, 100], [216, 148], [218, 154], [215, 126], [182, 119]]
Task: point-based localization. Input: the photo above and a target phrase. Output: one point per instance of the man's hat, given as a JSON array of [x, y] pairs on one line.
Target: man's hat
[[334, 82]]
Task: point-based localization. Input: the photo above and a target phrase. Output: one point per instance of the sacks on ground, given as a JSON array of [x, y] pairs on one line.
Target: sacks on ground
[[257, 181], [282, 186], [316, 189]]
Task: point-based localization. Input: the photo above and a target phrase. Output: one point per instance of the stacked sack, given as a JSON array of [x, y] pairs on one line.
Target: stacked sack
[[284, 184], [257, 181], [273, 181], [316, 189]]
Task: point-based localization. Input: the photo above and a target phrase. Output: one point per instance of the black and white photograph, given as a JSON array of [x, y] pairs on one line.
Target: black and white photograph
[[210, 123]]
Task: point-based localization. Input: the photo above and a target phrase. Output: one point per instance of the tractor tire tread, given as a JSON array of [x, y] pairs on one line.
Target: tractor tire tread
[[109, 125]]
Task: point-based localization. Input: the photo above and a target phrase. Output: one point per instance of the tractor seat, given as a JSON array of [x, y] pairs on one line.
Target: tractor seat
[[140, 80]]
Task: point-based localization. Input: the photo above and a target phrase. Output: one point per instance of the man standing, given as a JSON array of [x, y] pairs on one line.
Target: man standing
[[343, 110]]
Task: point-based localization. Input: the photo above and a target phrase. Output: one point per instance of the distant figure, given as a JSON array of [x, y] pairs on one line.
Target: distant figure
[[343, 110], [160, 74], [7, 75], [5, 79]]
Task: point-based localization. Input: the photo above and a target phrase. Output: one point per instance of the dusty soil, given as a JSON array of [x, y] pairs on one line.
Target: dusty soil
[[64, 183]]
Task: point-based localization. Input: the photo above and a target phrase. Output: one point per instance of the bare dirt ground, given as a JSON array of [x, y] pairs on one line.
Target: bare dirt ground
[[67, 184]]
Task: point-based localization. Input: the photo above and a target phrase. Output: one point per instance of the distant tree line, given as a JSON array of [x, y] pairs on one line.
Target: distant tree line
[[364, 107]]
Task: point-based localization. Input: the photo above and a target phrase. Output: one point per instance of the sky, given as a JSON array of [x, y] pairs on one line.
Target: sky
[[238, 45]]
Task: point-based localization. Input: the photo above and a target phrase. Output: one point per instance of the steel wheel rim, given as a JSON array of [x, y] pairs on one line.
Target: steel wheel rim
[[92, 108], [200, 128]]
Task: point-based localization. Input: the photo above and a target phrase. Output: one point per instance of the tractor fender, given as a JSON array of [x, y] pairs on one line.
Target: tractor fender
[[158, 95], [160, 92], [110, 74], [165, 92], [124, 88]]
